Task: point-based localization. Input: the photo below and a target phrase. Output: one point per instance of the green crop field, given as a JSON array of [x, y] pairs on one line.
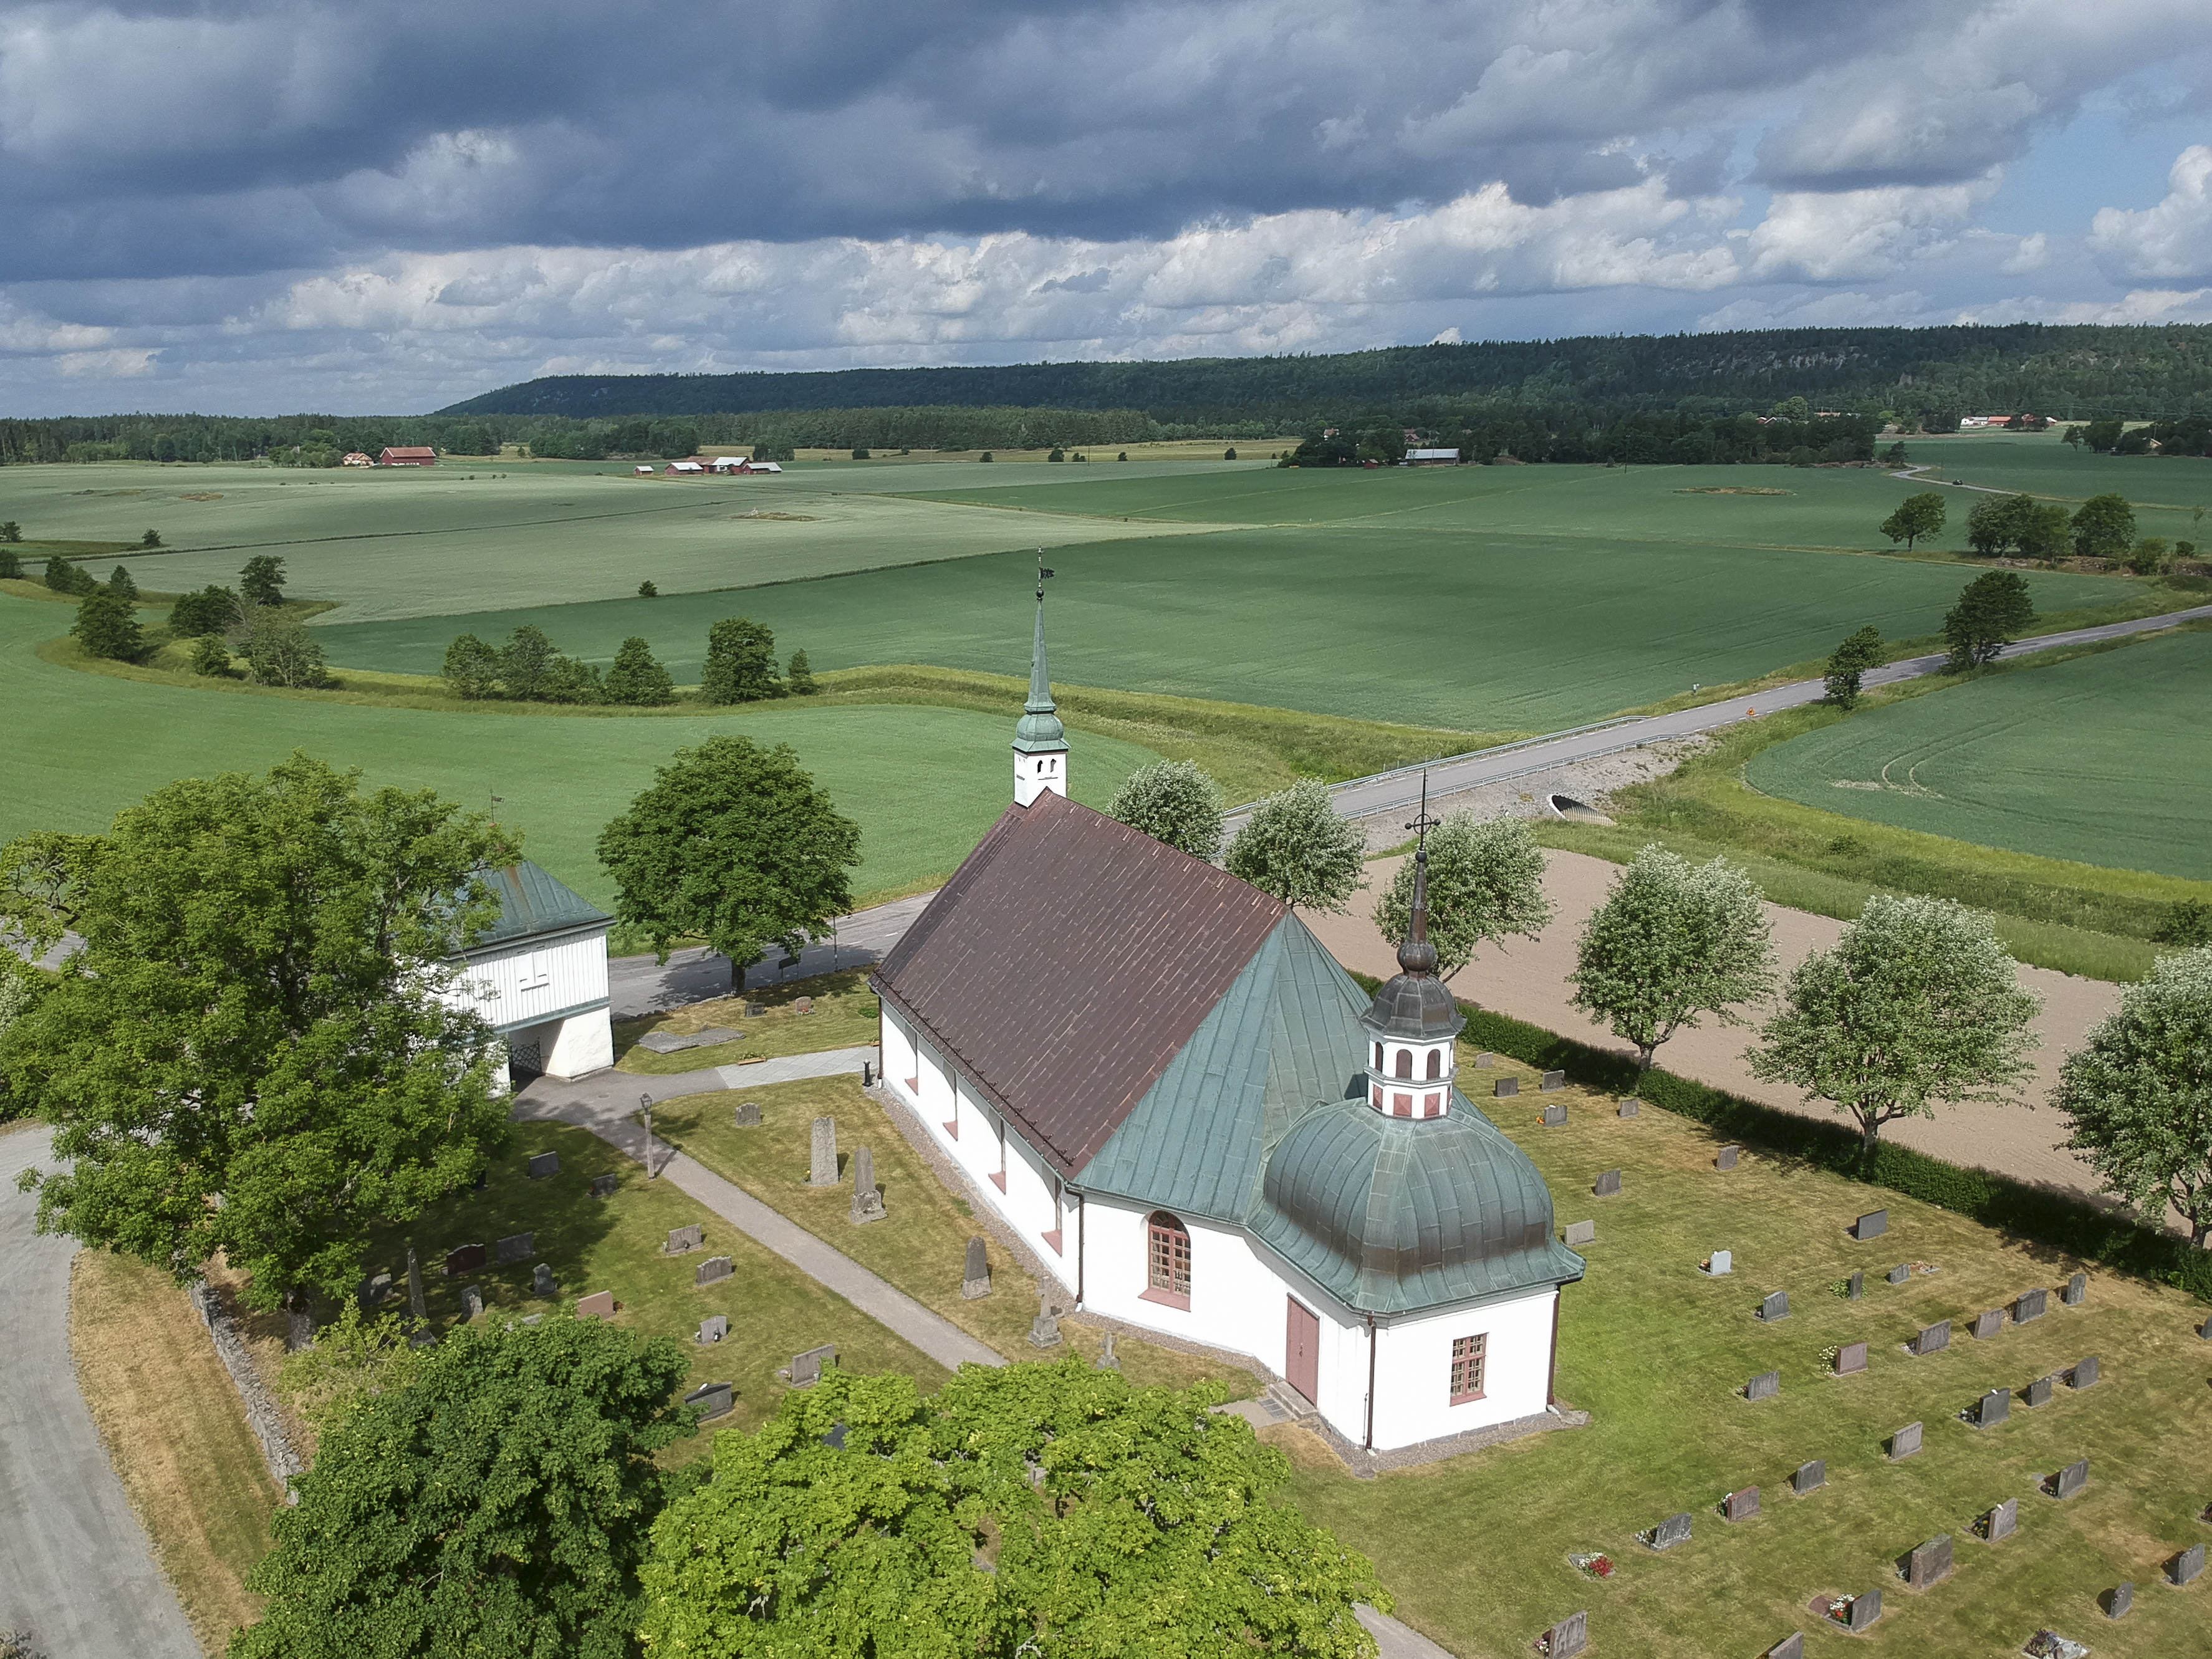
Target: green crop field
[[2165, 492], [2106, 759], [923, 783]]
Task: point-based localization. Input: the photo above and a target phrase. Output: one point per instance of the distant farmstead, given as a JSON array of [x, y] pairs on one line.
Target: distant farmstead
[[408, 457], [1432, 458], [354, 458]]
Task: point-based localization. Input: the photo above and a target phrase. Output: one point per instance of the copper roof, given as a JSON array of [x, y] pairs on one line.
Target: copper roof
[[1067, 962]]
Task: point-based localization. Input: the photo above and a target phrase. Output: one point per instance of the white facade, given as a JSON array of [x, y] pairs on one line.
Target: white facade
[[548, 998], [1036, 774]]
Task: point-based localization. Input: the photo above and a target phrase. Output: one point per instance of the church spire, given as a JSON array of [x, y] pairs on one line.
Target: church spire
[[1040, 740], [1413, 1025], [1416, 955]]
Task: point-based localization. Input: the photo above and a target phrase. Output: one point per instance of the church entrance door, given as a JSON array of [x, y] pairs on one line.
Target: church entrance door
[[1302, 1350]]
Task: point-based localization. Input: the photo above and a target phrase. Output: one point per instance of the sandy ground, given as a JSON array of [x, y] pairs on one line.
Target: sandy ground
[[1529, 980]]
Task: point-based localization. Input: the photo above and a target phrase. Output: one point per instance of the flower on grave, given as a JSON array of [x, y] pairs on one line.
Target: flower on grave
[[1602, 1566]]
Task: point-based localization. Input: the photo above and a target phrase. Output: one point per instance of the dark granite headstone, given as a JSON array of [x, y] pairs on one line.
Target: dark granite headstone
[[806, 1368], [1580, 1233], [2119, 1598], [1930, 1564], [2038, 1393], [2084, 1374], [1740, 1505], [1987, 1325], [1506, 1086], [544, 1164], [1631, 1108], [1569, 1637], [975, 1276], [600, 1304], [2002, 1521], [2186, 1567], [713, 1270], [469, 1259], [1873, 1224], [604, 1185], [1933, 1338], [1555, 1117], [2070, 1479], [1726, 1157], [1855, 1287], [1992, 1408], [1905, 1441], [682, 1240], [713, 1328], [1850, 1359], [1552, 1080], [1791, 1646], [2077, 1292], [1608, 1185], [2029, 1305], [714, 1400], [1765, 1386], [541, 1281], [1865, 1608], [1776, 1306], [517, 1247], [747, 1116], [1674, 1529], [1901, 1272], [1810, 1477]]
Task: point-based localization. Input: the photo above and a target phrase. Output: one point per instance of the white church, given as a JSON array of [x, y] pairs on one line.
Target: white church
[[1158, 1077]]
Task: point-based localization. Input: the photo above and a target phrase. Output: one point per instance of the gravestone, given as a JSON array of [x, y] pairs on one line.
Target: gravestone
[[1740, 1505], [2070, 1479], [2029, 1305], [1719, 1265], [1901, 1272], [806, 1368], [1992, 1408], [2205, 1329], [1855, 1287], [541, 1282], [755, 1010], [1776, 1306], [2077, 1292], [2186, 1567], [1905, 1441], [1725, 1159], [1555, 1117], [533, 1319], [804, 1006], [747, 1115], [1850, 1359], [823, 1171], [600, 1304], [374, 1290], [1506, 1086], [2119, 1598], [1810, 1477], [713, 1328], [1107, 1359], [868, 1202], [1044, 1329], [1864, 1610], [543, 1165], [714, 1400], [1483, 1060], [604, 1185], [415, 1287], [976, 1277], [1581, 1233], [2084, 1374], [1987, 1325], [517, 1247], [469, 1259], [473, 1302], [1765, 1386], [2002, 1521], [1608, 1185], [1791, 1646], [2038, 1393], [684, 1239], [1674, 1529], [1552, 1080], [1631, 1108], [1929, 1564], [1569, 1637], [1873, 1224], [712, 1271], [1932, 1339]]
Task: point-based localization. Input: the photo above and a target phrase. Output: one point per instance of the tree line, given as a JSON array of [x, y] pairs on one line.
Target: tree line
[[221, 624], [2102, 527], [740, 667]]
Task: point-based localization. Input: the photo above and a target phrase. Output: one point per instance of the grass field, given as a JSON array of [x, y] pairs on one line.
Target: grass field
[[923, 783], [2166, 493], [1475, 1549], [2105, 759]]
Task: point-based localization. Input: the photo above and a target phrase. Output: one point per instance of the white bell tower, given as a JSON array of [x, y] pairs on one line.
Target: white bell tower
[[1040, 740]]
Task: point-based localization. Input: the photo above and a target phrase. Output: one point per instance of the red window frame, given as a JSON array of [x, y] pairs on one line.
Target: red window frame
[[1167, 1261], [1470, 1361]]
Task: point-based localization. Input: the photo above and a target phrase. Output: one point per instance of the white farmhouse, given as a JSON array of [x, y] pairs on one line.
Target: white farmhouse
[[1160, 1078], [538, 975]]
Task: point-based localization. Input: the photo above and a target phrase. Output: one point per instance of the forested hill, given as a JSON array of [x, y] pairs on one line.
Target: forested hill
[[2069, 372]]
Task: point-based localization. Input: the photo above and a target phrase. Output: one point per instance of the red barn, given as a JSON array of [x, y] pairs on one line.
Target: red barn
[[407, 457]]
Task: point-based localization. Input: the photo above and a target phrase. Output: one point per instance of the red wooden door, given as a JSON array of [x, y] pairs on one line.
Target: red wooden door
[[1302, 1350]]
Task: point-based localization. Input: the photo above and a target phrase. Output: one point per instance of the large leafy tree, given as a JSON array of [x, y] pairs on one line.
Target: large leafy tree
[[637, 677], [733, 844], [1672, 940], [2104, 527], [1994, 610], [1296, 847], [2138, 1094], [281, 651], [1916, 516], [495, 1501], [261, 582], [255, 1051], [107, 627], [1034, 1509], [472, 667], [1485, 882], [213, 610], [741, 664], [1918, 1004], [1173, 801], [1848, 663]]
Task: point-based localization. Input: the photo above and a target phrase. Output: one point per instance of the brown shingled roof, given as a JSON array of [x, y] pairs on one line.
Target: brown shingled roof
[[1067, 962]]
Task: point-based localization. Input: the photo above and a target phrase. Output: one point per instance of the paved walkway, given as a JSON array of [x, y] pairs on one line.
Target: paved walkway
[[607, 1107], [76, 1570]]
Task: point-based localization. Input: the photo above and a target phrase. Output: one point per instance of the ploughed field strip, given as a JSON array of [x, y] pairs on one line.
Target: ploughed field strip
[[2106, 759]]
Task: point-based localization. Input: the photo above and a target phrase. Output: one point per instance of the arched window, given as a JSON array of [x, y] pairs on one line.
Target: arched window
[[1378, 1056], [1167, 1256], [1405, 1062], [1435, 1063]]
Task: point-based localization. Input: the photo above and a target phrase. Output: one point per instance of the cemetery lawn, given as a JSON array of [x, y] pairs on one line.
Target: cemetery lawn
[[844, 1014], [615, 1244], [1475, 1549], [921, 1246], [176, 1435]]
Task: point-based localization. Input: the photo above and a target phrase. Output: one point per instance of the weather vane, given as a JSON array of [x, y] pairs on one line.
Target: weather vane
[[1044, 571]]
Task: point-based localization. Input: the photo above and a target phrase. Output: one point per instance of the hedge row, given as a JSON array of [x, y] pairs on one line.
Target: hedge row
[[2055, 1220]]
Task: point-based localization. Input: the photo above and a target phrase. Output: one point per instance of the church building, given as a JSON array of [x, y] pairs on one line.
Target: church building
[[1157, 1076], [538, 975]]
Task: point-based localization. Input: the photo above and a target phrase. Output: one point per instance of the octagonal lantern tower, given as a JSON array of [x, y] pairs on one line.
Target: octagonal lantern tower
[[1413, 1023]]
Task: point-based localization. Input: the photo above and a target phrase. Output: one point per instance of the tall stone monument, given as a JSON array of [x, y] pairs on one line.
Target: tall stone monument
[[824, 1170], [868, 1202]]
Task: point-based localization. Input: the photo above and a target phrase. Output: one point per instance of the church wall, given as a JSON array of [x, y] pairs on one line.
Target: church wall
[[1413, 1389], [580, 1044], [529, 983]]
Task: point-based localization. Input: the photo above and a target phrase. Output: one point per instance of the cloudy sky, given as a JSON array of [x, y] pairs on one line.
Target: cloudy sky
[[249, 206]]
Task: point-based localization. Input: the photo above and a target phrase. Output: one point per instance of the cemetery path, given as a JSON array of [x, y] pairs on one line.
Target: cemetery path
[[1394, 1640], [76, 1570]]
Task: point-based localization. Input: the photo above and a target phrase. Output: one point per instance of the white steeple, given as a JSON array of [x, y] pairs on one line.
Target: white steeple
[[1040, 740]]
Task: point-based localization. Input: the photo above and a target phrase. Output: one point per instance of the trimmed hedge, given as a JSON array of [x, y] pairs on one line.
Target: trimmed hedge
[[2108, 1237]]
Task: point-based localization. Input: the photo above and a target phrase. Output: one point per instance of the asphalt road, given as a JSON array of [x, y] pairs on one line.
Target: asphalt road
[[76, 1572]]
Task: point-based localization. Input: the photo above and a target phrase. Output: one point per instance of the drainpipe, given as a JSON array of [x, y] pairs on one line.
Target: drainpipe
[[1082, 1210], [1369, 1445], [1551, 1376]]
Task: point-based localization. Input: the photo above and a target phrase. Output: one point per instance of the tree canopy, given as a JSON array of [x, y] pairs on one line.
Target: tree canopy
[[733, 844], [1296, 847], [262, 579], [1916, 516], [636, 678], [2104, 527], [1994, 610], [281, 651], [1030, 1509], [1848, 663], [107, 626], [1173, 801], [252, 1052], [1485, 882], [741, 664]]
